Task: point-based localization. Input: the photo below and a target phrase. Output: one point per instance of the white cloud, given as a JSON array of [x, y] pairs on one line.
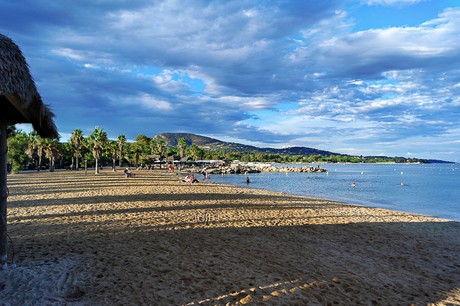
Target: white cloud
[[391, 2], [69, 53], [153, 103], [169, 81], [264, 69], [246, 103]]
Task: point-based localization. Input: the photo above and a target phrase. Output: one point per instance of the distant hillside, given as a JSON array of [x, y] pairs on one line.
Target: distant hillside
[[171, 139]]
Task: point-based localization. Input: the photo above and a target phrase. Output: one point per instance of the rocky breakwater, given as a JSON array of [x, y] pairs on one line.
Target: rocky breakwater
[[238, 169], [293, 169], [245, 169]]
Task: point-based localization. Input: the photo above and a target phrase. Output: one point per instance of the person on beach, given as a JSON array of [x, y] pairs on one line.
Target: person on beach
[[128, 173], [190, 178], [186, 179], [193, 179]]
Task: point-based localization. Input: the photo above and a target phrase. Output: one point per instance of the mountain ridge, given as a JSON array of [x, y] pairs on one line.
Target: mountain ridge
[[171, 139], [205, 142]]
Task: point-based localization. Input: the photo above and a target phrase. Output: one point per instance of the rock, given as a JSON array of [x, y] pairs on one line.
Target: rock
[[247, 299]]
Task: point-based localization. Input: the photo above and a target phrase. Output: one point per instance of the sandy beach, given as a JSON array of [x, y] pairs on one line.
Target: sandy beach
[[150, 240]]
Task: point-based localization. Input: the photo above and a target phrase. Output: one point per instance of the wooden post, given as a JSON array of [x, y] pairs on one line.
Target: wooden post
[[3, 194]]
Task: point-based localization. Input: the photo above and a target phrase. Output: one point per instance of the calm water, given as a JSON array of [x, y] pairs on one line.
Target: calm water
[[432, 189]]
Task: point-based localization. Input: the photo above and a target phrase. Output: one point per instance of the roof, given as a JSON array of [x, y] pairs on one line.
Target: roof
[[19, 98]]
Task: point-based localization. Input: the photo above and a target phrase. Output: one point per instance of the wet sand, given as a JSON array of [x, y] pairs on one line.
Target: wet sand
[[150, 240]]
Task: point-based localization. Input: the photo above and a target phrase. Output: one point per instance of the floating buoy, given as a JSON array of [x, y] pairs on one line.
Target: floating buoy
[[353, 184]]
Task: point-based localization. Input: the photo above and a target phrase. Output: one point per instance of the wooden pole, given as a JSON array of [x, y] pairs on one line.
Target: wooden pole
[[3, 194]]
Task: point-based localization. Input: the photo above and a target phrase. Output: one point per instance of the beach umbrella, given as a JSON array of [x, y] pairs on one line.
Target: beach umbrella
[[20, 103]]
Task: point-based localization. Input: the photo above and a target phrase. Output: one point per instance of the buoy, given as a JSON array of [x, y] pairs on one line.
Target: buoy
[[353, 184]]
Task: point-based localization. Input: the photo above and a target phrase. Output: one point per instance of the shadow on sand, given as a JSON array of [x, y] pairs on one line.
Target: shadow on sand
[[217, 249], [350, 264]]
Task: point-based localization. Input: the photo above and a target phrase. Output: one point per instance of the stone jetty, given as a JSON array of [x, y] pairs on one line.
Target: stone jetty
[[256, 168]]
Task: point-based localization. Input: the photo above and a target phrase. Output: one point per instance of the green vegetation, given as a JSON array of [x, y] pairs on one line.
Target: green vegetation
[[17, 148], [312, 158], [31, 152]]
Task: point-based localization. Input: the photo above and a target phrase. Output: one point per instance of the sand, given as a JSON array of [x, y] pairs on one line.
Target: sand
[[150, 240]]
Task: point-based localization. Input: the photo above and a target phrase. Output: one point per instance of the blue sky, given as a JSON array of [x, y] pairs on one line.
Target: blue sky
[[365, 77]]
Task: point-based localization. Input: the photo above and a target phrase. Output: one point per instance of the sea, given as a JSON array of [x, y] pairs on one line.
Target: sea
[[426, 189]]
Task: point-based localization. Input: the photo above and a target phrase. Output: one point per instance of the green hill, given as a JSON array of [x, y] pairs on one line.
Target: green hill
[[209, 143], [171, 139]]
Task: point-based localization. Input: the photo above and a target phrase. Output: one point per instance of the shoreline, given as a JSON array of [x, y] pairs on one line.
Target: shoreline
[[371, 192], [152, 240], [208, 181], [338, 201]]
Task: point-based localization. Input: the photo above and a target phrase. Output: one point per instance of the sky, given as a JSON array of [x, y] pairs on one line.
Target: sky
[[361, 77]]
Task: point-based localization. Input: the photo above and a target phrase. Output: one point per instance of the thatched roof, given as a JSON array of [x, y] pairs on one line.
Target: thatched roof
[[184, 159], [19, 99], [170, 158], [153, 156]]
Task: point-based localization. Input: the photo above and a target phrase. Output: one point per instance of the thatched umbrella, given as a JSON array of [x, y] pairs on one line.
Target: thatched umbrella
[[20, 103]]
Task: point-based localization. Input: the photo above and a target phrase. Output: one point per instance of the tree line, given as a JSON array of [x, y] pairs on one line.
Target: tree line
[[31, 152], [306, 159]]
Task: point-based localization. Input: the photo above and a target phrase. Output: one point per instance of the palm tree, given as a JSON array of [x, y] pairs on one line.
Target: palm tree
[[76, 140], [97, 141], [153, 145], [38, 143], [200, 153], [121, 140], [193, 151], [113, 148], [137, 149], [144, 140], [30, 151], [140, 147], [182, 145], [50, 146], [161, 144]]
